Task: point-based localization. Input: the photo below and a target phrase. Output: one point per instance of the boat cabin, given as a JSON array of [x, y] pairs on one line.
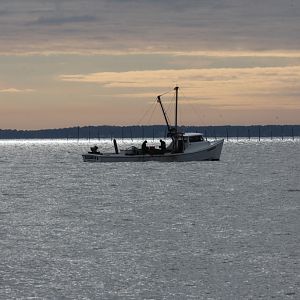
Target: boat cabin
[[182, 141], [192, 137]]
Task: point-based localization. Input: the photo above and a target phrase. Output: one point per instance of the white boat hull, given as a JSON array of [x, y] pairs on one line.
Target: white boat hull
[[211, 151]]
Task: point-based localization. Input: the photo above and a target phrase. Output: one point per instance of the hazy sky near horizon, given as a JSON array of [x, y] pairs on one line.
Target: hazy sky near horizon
[[91, 62]]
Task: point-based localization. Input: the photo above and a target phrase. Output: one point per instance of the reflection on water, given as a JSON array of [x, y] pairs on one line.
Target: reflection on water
[[196, 230]]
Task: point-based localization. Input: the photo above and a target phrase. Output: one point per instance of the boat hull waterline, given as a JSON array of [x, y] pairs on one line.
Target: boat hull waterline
[[212, 152]]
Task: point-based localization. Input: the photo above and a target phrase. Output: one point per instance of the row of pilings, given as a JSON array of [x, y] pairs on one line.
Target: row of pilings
[[210, 132], [156, 131]]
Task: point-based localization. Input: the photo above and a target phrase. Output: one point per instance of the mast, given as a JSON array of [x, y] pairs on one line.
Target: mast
[[176, 107]]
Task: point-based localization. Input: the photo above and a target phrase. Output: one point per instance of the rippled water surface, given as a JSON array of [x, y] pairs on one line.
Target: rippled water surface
[[196, 230]]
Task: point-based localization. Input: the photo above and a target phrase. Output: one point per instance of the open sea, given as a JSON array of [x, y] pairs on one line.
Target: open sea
[[227, 229]]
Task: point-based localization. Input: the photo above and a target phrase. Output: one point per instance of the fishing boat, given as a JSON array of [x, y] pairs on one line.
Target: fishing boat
[[182, 147]]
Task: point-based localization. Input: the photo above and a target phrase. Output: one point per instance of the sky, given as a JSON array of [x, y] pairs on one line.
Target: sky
[[70, 63]]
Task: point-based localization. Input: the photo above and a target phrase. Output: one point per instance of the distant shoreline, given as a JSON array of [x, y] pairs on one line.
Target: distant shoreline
[[155, 131]]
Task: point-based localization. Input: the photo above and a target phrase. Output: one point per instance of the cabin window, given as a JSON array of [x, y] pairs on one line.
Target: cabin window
[[196, 138]]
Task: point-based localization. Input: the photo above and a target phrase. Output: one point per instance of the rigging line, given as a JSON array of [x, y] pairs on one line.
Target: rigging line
[[197, 109], [146, 112], [165, 93], [170, 104], [154, 109], [196, 112], [150, 107]]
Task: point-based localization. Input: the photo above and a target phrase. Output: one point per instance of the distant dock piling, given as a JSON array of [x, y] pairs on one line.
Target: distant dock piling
[[258, 132]]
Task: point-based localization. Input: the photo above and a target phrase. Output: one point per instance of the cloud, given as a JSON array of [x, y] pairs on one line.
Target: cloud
[[191, 77], [14, 90], [60, 20], [221, 88], [151, 25], [240, 54]]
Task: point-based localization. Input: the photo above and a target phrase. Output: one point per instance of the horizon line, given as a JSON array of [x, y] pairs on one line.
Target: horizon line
[[143, 125]]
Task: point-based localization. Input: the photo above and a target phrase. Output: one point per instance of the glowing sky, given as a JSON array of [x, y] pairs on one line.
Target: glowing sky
[[92, 62]]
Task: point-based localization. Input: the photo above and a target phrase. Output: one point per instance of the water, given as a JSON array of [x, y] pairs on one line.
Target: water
[[197, 230]]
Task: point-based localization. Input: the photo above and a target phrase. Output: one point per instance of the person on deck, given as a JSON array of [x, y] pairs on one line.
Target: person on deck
[[94, 150], [144, 147], [162, 146]]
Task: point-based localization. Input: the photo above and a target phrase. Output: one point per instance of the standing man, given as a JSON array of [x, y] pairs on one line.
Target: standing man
[[144, 147], [162, 146]]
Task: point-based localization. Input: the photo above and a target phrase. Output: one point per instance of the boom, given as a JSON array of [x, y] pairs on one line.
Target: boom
[[164, 113]]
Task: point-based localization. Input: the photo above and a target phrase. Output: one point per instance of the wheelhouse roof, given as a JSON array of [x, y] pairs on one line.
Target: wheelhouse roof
[[188, 134]]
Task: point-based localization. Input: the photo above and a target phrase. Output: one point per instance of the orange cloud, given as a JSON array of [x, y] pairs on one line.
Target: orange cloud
[[220, 89], [14, 90], [190, 77]]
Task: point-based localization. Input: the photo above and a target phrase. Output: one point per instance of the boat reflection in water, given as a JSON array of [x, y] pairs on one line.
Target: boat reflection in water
[[183, 147]]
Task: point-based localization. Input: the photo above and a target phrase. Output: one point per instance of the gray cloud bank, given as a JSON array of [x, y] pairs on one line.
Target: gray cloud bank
[[177, 25]]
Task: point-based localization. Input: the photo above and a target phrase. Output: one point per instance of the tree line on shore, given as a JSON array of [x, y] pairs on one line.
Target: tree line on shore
[[155, 131]]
